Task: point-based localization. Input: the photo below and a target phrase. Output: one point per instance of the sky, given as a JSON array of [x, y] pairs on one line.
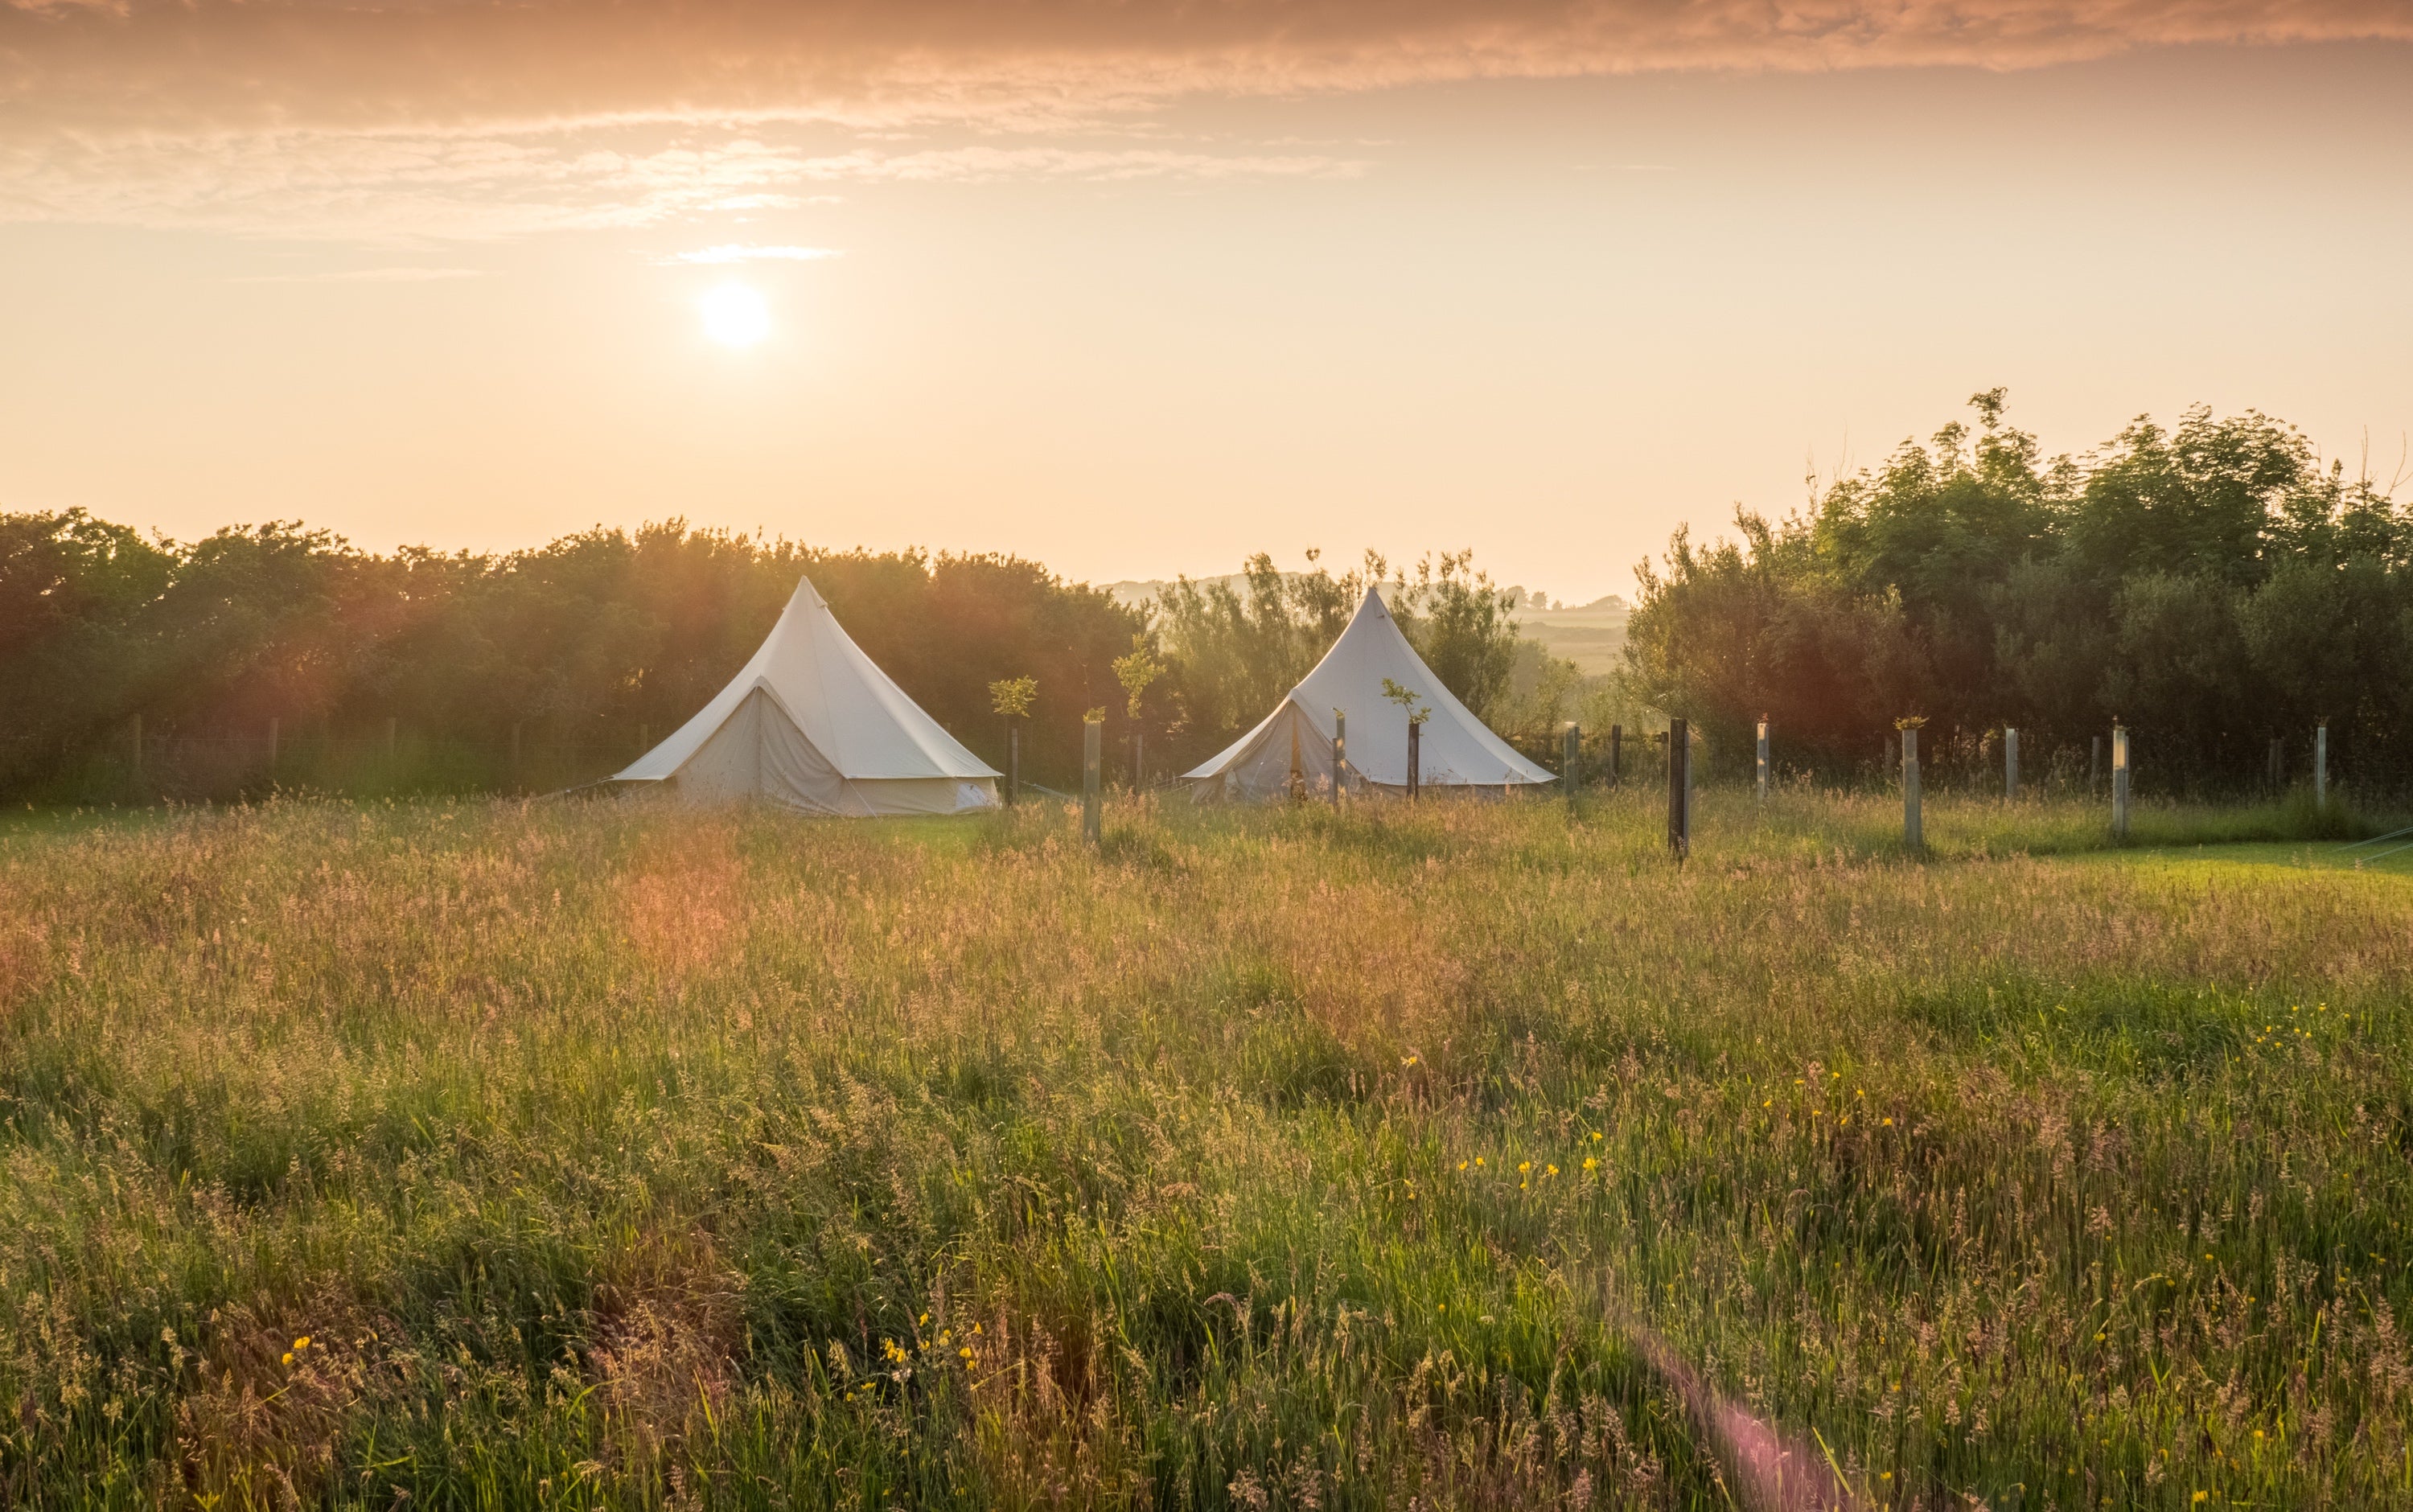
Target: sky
[[1138, 288]]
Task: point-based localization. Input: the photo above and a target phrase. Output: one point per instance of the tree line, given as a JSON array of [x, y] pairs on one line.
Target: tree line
[[420, 669], [572, 653], [2210, 585]]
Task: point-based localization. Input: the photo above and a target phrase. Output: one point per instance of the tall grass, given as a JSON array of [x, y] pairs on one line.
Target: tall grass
[[617, 1155]]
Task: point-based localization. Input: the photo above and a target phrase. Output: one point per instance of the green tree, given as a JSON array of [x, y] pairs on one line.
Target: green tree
[[1461, 625], [2204, 499], [2210, 584], [73, 591]]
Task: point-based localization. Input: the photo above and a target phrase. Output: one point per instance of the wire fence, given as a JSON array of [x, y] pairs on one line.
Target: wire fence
[[2369, 771], [221, 765]]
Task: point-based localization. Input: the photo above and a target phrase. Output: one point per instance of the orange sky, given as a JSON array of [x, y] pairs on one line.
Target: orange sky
[[1138, 288]]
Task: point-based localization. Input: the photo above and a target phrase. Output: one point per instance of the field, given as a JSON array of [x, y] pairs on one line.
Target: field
[[1469, 1156]]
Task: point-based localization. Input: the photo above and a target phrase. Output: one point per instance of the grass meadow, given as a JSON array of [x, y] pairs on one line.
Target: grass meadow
[[498, 1155]]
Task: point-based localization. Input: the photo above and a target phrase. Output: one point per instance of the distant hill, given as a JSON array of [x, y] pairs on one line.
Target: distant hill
[[1591, 635]]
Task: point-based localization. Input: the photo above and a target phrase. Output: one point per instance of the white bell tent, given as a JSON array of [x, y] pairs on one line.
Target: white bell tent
[[812, 723], [1294, 743]]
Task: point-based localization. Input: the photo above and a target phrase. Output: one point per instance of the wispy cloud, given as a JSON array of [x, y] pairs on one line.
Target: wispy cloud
[[402, 188], [180, 64], [485, 118], [988, 164], [744, 252]]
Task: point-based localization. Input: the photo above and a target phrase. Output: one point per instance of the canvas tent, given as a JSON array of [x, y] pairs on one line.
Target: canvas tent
[[1294, 741], [814, 724]]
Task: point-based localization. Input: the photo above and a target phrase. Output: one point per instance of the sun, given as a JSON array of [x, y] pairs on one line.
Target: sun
[[735, 316]]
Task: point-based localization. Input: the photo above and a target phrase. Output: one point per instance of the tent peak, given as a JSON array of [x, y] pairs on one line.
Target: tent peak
[[1371, 610]]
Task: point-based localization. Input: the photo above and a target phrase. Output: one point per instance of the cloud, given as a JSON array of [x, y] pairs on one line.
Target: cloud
[[153, 65], [448, 119], [403, 188], [988, 164]]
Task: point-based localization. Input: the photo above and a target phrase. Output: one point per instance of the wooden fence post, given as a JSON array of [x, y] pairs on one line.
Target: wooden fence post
[[1416, 759], [2010, 763], [1339, 753], [1680, 797], [1692, 787], [1012, 760], [1092, 820], [1914, 833], [2094, 765], [1762, 758], [1571, 761], [1139, 760], [2120, 782], [2321, 763]]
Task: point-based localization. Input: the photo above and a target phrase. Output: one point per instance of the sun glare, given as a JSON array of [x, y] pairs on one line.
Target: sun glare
[[735, 316]]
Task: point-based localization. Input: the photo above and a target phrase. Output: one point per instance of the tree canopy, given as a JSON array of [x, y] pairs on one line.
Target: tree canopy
[[587, 640], [2210, 584]]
